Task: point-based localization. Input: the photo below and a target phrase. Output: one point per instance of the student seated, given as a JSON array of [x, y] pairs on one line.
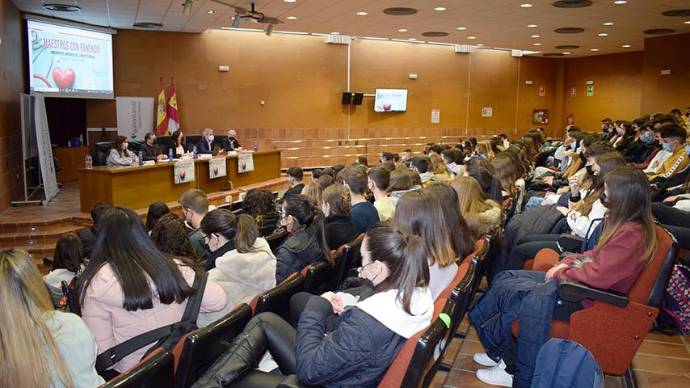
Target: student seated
[[312, 190], [378, 182], [400, 183], [247, 270], [194, 207], [673, 141], [482, 215], [156, 210], [485, 177], [120, 155], [627, 242], [41, 347], [422, 166], [115, 306], [295, 176], [306, 242], [67, 263], [363, 213], [88, 236], [260, 204], [338, 225], [368, 335]]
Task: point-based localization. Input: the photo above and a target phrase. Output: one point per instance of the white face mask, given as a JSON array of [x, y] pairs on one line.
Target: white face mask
[[210, 138], [370, 271], [326, 209], [125, 145]]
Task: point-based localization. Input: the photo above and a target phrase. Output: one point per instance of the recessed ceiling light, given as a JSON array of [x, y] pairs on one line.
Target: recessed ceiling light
[[402, 30], [461, 28], [211, 11], [526, 5], [626, 46], [411, 39], [471, 37], [595, 50], [535, 36], [536, 44], [566, 52], [686, 22], [291, 18], [531, 26], [290, 1], [335, 33], [362, 13], [619, 2], [440, 9], [608, 23], [603, 34]]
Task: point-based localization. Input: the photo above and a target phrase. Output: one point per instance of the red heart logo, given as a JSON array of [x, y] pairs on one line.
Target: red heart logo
[[64, 79], [182, 174], [215, 170], [386, 107]]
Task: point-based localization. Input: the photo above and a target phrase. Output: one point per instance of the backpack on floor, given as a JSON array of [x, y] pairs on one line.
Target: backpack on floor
[[564, 364], [675, 306]]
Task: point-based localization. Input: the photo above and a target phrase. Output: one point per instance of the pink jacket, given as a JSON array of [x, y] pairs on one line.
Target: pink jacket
[[111, 324]]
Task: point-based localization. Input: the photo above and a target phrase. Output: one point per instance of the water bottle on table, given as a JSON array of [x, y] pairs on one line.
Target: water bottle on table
[[170, 154], [140, 156]]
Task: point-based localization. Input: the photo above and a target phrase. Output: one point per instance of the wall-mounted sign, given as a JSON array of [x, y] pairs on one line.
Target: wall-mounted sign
[[435, 116], [487, 111], [542, 90], [590, 90]]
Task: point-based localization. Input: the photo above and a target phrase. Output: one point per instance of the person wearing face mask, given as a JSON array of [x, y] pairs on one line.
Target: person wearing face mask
[[368, 332], [120, 155], [673, 141], [231, 143], [338, 226], [625, 136], [207, 142], [641, 149], [246, 269], [306, 242], [194, 207], [151, 150]]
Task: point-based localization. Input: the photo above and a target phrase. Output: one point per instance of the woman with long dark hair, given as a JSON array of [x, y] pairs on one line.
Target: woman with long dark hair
[[67, 263], [156, 210], [130, 287], [627, 242], [180, 147], [306, 242], [120, 155], [260, 204], [368, 335]]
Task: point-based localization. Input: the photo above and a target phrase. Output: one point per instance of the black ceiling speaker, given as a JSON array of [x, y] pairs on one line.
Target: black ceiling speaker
[[553, 54], [435, 34], [567, 47], [679, 13], [569, 30], [659, 31], [572, 3], [400, 11], [346, 99]]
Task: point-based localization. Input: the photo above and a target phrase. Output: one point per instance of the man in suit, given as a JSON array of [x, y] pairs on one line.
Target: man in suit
[[207, 142], [231, 143], [295, 175]]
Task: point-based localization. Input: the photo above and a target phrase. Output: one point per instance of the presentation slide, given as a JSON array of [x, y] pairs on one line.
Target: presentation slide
[[390, 100], [68, 61]]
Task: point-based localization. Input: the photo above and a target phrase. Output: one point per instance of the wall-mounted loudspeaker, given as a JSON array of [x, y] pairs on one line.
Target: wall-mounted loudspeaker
[[357, 99], [347, 98]]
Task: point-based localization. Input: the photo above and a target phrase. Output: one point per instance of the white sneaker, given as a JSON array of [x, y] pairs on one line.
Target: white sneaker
[[484, 360], [495, 376]]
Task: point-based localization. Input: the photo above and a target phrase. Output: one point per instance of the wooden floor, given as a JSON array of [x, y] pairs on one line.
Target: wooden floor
[[662, 361]]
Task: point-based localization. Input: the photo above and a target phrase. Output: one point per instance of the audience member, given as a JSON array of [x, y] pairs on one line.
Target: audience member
[[335, 205], [41, 347], [67, 264], [88, 236], [295, 176], [194, 207], [260, 204], [483, 215], [313, 192], [170, 237], [422, 166], [378, 182], [325, 181], [363, 213], [156, 210], [460, 235], [673, 141]]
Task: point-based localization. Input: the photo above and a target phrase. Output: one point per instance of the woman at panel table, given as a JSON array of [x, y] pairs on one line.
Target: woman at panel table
[[179, 144], [120, 155]]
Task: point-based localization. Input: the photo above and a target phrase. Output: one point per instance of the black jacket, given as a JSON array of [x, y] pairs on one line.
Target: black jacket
[[339, 230], [297, 189], [150, 152], [88, 240], [298, 251], [203, 147], [267, 223], [230, 144], [356, 354]]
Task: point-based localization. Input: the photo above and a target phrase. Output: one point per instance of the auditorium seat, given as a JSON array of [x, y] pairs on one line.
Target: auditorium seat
[[156, 370], [614, 327], [348, 257], [199, 349], [319, 277], [277, 299], [276, 239], [102, 150]]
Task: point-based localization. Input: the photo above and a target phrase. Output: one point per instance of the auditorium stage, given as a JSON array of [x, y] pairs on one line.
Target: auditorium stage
[[37, 228]]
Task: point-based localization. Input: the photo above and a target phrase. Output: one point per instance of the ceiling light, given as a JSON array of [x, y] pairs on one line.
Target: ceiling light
[[211, 12], [603, 34], [290, 1], [291, 18], [362, 13], [619, 2], [464, 28], [402, 30], [440, 9], [608, 23], [531, 26], [526, 5], [566, 52], [687, 22], [471, 37], [535, 36], [626, 46], [411, 39], [595, 50], [536, 44], [335, 33]]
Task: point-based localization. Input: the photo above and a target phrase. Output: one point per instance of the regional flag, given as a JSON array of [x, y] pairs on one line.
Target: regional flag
[[162, 118], [173, 114]]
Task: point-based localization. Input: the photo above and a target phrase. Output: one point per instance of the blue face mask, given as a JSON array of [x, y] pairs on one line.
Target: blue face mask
[[667, 147], [647, 137], [687, 149]]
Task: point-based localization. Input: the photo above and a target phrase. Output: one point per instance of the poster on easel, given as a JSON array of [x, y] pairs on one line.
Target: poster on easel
[[245, 162], [45, 149], [217, 167], [183, 171]]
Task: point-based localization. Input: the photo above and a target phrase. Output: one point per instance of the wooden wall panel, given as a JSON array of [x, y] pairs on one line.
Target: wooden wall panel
[[661, 93]]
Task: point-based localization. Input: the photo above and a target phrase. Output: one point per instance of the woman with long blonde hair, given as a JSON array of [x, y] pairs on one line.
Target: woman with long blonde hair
[[39, 347], [481, 214]]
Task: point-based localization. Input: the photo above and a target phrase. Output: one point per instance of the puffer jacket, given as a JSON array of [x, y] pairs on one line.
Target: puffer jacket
[[299, 250]]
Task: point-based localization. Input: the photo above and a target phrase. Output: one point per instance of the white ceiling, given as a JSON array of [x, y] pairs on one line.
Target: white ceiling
[[495, 23]]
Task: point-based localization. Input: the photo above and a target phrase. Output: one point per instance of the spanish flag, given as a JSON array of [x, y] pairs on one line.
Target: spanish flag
[[162, 118], [173, 114]]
